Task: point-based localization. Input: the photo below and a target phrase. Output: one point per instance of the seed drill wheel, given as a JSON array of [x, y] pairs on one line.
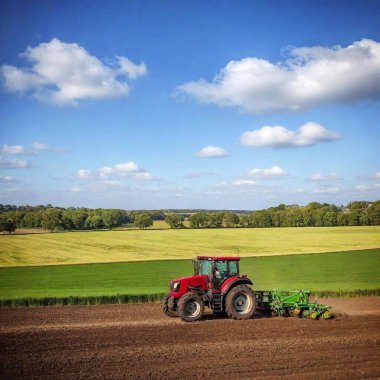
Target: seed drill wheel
[[191, 307], [240, 302], [313, 315], [326, 314], [295, 312], [167, 306]]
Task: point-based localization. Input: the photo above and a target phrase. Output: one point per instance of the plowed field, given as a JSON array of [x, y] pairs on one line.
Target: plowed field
[[138, 342]]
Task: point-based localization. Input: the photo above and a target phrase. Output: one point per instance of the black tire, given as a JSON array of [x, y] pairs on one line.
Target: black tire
[[191, 307], [167, 306], [240, 302]]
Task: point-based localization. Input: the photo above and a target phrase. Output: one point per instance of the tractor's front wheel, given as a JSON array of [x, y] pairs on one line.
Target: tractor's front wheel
[[191, 307], [240, 302], [167, 306]]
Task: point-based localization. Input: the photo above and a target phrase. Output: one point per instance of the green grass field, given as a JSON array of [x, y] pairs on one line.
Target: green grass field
[[339, 271], [135, 245]]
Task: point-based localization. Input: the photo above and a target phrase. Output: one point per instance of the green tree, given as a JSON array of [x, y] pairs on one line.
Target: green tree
[[199, 219], [112, 218], [308, 218], [295, 217], [278, 218], [261, 219], [143, 220], [94, 221], [354, 217], [51, 219], [174, 220], [230, 219], [29, 219], [374, 214], [319, 215], [330, 219], [79, 219], [215, 219], [38, 218], [244, 221], [342, 219], [364, 217], [7, 224]]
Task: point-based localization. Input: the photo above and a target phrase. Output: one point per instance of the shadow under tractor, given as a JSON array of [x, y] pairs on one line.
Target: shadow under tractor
[[218, 284]]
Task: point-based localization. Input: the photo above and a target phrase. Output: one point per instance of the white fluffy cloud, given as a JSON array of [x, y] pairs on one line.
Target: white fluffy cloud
[[119, 170], [110, 175], [318, 177], [12, 149], [38, 146], [132, 69], [83, 173], [273, 172], [123, 170], [244, 182], [281, 137], [310, 76], [65, 73], [212, 151], [13, 164]]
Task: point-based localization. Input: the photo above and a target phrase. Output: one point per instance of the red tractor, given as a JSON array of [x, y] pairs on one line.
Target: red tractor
[[217, 284]]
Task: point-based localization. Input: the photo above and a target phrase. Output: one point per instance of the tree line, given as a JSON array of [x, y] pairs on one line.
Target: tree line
[[57, 218], [359, 213]]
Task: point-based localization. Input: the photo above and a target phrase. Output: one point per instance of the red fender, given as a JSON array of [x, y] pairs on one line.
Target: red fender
[[232, 282]]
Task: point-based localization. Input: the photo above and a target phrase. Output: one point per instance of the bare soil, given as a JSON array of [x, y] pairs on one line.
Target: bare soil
[[139, 342]]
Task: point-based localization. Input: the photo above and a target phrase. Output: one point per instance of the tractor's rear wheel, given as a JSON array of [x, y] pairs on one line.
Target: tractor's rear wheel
[[191, 307], [167, 306], [240, 302]]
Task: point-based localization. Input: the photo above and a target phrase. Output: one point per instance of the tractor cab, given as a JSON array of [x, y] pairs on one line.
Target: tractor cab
[[217, 269]]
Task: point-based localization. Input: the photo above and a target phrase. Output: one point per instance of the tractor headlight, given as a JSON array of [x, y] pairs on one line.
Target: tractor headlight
[[176, 286]]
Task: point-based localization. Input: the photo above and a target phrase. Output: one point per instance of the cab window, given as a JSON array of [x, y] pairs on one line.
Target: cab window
[[205, 267], [222, 267], [234, 268]]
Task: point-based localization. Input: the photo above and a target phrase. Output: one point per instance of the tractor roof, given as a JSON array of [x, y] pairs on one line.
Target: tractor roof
[[218, 258]]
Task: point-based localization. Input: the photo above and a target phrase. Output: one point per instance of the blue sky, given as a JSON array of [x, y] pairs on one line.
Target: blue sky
[[175, 104]]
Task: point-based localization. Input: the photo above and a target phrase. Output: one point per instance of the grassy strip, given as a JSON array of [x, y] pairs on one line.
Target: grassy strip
[[146, 298], [77, 300]]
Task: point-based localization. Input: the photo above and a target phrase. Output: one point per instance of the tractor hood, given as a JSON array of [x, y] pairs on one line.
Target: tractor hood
[[187, 278], [181, 285]]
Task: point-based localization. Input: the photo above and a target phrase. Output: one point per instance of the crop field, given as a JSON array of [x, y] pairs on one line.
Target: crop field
[[137, 245], [338, 271]]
